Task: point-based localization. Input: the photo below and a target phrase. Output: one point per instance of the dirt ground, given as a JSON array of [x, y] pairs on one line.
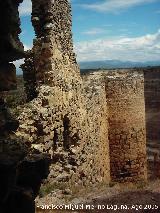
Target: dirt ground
[[137, 201], [139, 198], [118, 198]]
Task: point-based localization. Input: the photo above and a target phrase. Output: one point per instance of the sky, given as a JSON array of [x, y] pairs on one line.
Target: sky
[[126, 30]]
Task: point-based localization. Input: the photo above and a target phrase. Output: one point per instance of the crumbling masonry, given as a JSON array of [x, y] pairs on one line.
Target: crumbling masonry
[[93, 127], [58, 121]]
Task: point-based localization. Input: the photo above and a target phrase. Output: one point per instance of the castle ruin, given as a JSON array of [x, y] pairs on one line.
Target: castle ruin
[[93, 127]]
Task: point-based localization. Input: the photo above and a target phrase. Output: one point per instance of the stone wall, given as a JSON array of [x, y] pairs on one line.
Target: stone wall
[[10, 44], [10, 151], [59, 120], [53, 47], [29, 76], [97, 147]]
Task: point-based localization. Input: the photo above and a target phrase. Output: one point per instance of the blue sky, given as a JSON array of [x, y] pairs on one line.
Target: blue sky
[[109, 29]]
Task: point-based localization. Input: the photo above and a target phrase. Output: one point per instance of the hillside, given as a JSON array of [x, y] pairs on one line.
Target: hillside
[[111, 64]]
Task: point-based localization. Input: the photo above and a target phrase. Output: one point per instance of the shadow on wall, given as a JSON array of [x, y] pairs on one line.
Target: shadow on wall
[[21, 170], [152, 107], [152, 103]]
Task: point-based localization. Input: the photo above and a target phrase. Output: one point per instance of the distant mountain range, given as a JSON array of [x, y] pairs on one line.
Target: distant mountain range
[[112, 64]]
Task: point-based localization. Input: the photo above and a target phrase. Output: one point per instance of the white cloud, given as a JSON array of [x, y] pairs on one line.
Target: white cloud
[[94, 31], [26, 47], [144, 48], [115, 5], [18, 63], [25, 8]]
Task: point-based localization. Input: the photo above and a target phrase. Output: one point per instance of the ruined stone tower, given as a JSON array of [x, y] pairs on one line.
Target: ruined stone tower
[[127, 132]]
